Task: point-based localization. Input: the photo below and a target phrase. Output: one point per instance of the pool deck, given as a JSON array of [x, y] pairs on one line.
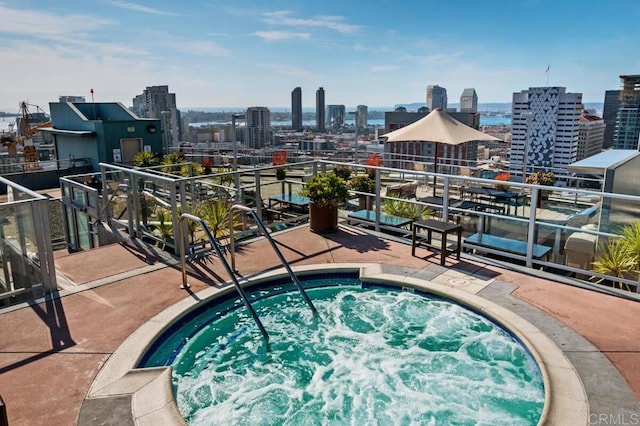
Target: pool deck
[[50, 352]]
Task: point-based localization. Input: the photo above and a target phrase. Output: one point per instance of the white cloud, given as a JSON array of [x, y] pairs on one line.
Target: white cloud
[[284, 17], [206, 48], [45, 25], [141, 8], [382, 68], [281, 35]]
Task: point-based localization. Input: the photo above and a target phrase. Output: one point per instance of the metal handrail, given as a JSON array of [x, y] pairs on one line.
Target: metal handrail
[[284, 262], [214, 243]]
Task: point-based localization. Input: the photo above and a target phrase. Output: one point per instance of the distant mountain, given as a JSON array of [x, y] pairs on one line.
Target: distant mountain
[[493, 106]]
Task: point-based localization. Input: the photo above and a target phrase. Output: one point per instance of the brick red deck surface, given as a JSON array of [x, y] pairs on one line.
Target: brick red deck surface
[[51, 352]]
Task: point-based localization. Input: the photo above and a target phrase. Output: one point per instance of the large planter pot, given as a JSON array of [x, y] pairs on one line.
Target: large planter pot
[[323, 219], [542, 196], [364, 203]]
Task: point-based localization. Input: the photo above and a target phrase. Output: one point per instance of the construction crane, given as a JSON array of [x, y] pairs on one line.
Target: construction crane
[[25, 132]]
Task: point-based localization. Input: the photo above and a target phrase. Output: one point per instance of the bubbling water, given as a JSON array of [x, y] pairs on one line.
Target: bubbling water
[[373, 357]]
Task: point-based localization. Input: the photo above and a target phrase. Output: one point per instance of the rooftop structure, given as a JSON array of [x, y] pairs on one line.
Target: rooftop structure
[[590, 136], [320, 118], [335, 116], [101, 131], [151, 103], [296, 109], [545, 129], [469, 100], [436, 97], [258, 130], [139, 283]]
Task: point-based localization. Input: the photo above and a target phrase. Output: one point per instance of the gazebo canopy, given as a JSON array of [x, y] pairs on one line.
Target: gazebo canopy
[[438, 126]]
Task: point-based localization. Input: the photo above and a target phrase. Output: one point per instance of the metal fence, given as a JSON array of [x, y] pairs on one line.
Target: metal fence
[[27, 269]]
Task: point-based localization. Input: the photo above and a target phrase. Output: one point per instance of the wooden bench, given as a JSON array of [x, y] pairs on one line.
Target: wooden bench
[[368, 217], [507, 245]]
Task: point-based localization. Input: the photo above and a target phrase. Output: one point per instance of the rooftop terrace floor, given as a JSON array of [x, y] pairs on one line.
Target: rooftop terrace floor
[[50, 352]]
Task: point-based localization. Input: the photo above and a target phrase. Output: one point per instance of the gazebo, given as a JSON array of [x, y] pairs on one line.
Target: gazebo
[[454, 141]]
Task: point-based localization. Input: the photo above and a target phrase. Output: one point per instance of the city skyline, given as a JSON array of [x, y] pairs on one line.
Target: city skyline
[[213, 54]]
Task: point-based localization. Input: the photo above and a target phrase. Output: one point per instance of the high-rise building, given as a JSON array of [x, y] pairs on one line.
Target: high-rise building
[[627, 132], [72, 99], [609, 115], [320, 127], [362, 113], [469, 100], [296, 109], [590, 136], [335, 116], [545, 125], [436, 97], [152, 102], [258, 129]]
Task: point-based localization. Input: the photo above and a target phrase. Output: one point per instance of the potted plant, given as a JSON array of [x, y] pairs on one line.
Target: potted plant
[[543, 179], [360, 184], [326, 191]]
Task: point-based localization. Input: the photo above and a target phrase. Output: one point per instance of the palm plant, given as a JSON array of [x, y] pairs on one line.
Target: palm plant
[[191, 169], [216, 214], [406, 209], [165, 229], [171, 163], [145, 159], [192, 226], [616, 260]]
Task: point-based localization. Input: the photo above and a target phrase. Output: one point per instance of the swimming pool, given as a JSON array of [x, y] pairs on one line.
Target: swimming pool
[[375, 353]]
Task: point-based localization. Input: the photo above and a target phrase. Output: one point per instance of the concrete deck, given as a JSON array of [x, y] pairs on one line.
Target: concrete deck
[[51, 351]]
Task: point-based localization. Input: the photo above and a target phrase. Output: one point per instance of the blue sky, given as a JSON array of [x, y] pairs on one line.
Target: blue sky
[[376, 52]]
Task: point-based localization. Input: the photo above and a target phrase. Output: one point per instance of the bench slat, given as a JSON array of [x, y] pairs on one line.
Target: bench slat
[[507, 244]]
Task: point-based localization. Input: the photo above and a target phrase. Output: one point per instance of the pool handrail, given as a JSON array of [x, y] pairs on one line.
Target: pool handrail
[[214, 243], [284, 262]]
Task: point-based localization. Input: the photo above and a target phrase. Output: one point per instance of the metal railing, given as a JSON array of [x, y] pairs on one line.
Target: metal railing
[[266, 234], [550, 225], [218, 250], [26, 256]]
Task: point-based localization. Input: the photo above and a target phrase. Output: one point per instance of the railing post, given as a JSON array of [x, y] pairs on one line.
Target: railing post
[[182, 245], [377, 227], [531, 233], [445, 200], [258, 194]]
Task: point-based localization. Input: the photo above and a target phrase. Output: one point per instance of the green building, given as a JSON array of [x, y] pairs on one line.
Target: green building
[[101, 132]]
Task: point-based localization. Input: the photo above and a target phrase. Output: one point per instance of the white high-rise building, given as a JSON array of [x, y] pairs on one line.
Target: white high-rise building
[[469, 100], [258, 130], [436, 97], [545, 125]]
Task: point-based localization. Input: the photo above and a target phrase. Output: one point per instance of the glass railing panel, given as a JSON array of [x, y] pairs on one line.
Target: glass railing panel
[[20, 263]]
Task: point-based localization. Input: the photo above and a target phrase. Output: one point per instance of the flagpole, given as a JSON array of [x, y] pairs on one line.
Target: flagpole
[[547, 72]]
